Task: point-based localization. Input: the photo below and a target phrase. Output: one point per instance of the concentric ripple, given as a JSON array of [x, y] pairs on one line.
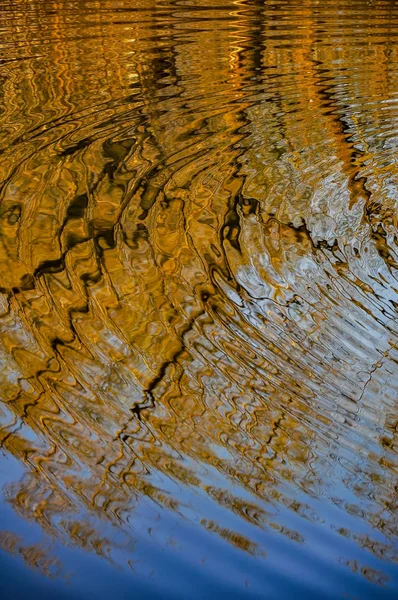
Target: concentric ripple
[[198, 298]]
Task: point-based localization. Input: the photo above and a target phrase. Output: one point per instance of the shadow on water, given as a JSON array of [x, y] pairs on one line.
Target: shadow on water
[[198, 298]]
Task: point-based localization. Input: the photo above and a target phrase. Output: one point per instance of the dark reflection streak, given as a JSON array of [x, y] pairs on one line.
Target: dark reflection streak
[[10, 434], [372, 297], [384, 250], [20, 59], [71, 150], [327, 94], [377, 365], [76, 209], [71, 118], [149, 391], [389, 44]]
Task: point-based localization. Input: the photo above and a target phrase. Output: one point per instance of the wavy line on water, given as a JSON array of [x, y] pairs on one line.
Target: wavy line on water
[[193, 250]]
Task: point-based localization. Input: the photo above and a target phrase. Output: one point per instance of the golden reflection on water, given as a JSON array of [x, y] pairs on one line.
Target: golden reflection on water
[[198, 269]]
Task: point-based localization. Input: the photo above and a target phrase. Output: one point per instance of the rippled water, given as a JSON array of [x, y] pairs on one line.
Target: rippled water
[[199, 291]]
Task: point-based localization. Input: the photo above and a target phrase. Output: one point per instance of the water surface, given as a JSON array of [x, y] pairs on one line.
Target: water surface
[[198, 299]]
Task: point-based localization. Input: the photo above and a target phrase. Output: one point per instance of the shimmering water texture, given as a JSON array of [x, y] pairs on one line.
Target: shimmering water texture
[[199, 292]]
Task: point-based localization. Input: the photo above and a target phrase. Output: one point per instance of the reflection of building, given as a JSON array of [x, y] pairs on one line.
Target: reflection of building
[[156, 234]]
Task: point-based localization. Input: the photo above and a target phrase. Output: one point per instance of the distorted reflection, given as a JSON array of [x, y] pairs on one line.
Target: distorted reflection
[[198, 293]]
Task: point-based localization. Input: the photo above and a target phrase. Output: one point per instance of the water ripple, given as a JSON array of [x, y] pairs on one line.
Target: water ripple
[[198, 295]]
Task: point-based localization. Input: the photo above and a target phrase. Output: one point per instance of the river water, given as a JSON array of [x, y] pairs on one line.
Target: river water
[[198, 299]]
